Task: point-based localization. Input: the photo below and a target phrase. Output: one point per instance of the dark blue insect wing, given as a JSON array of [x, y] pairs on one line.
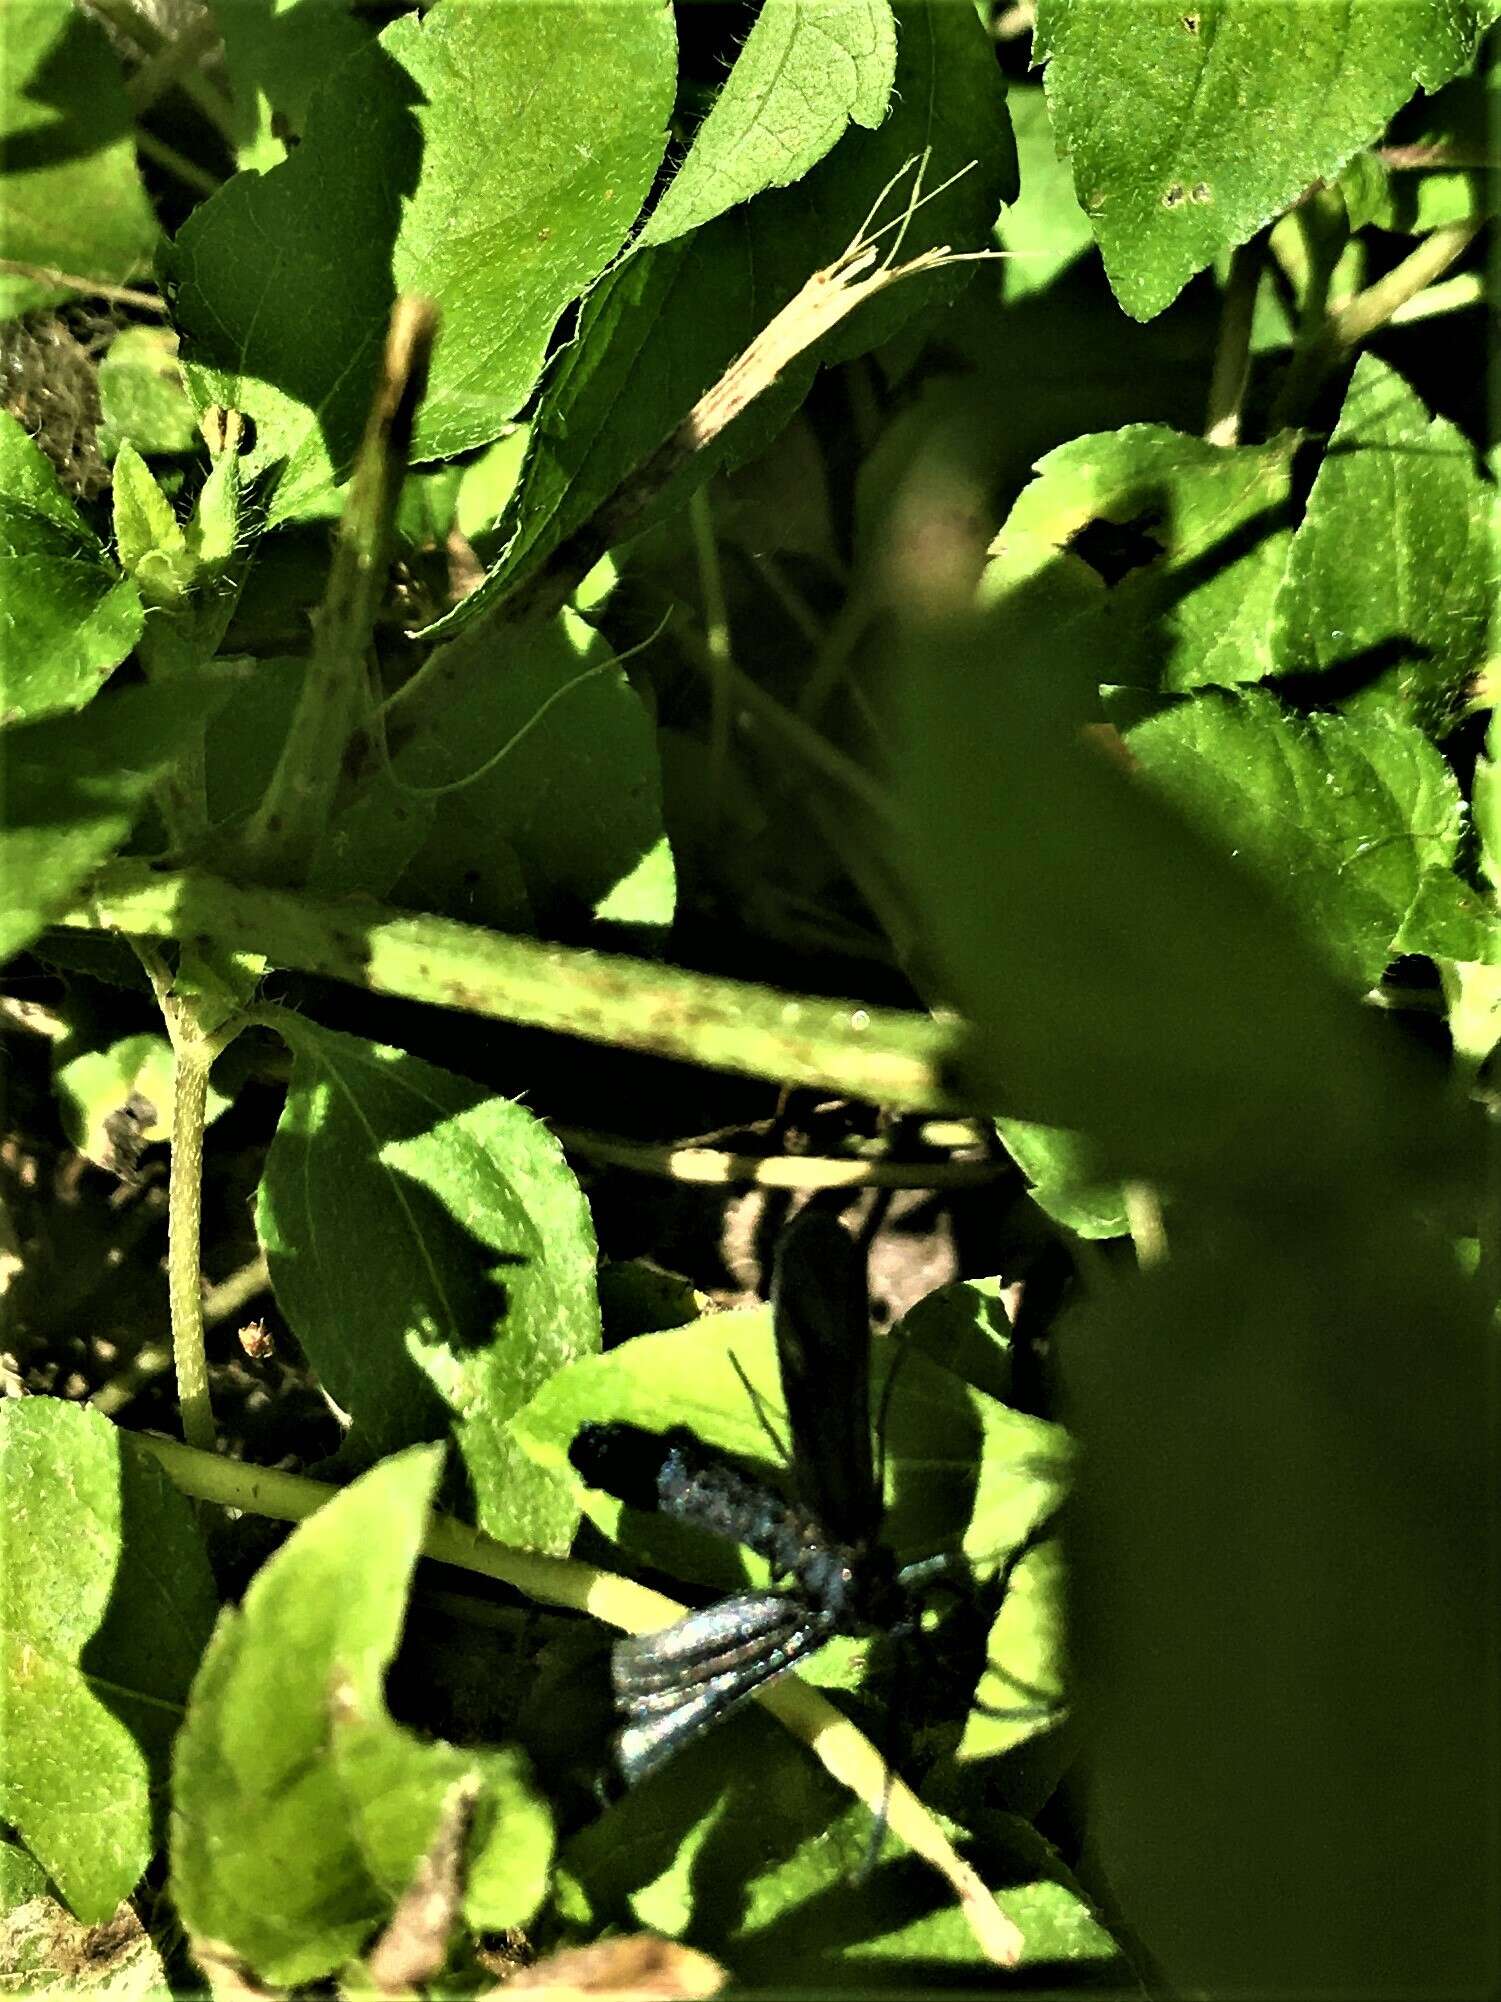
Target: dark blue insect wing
[[673, 1686], [821, 1316]]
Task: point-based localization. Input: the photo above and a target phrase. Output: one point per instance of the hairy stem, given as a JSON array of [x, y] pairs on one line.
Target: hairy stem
[[889, 1056], [184, 1258]]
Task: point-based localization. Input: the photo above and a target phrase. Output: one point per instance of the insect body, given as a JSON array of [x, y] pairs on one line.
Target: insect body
[[672, 1686]]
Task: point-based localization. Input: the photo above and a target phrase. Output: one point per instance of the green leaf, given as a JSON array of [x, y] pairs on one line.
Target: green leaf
[[1021, 1690], [1393, 575], [300, 1809], [22, 1878], [69, 618], [74, 786], [1127, 977], [1044, 228], [263, 1853], [395, 1786], [808, 68], [552, 764], [92, 1084], [277, 56], [153, 548], [433, 1253], [1207, 120], [964, 1327], [1173, 549], [70, 191], [142, 396], [1449, 920], [745, 1846], [1425, 194], [107, 1603], [962, 1470], [1345, 815], [661, 328], [1067, 1185], [1238, 1433], [469, 155]]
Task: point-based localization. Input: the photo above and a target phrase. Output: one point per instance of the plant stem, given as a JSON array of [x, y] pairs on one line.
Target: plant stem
[[137, 27], [1232, 355], [678, 1163], [286, 827], [1370, 309], [184, 1254], [187, 171], [1359, 318], [844, 1751], [1144, 1216], [717, 650], [238, 1290], [845, 632], [890, 1056], [170, 65], [1450, 295], [816, 752], [93, 288]]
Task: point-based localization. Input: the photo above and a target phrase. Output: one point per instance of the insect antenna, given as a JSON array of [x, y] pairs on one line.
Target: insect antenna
[[758, 1405], [904, 1349]]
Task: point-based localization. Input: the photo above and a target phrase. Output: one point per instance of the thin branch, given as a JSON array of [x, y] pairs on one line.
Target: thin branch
[[1232, 354], [93, 288], [1450, 295], [187, 171], [1441, 153], [232, 1295], [131, 22], [285, 830], [678, 1163], [1144, 1216], [717, 649], [184, 1230], [1368, 310], [816, 751], [1359, 318], [171, 64]]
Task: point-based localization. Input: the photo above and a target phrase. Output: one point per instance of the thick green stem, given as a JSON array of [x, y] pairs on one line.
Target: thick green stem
[[889, 1056], [184, 1261]]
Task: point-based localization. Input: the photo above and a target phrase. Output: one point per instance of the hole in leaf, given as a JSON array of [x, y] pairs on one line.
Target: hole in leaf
[[1113, 549]]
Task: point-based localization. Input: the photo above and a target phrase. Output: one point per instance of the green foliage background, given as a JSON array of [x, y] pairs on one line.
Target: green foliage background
[[1066, 683]]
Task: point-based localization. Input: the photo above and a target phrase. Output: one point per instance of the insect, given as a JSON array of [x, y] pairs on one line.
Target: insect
[[673, 1685]]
